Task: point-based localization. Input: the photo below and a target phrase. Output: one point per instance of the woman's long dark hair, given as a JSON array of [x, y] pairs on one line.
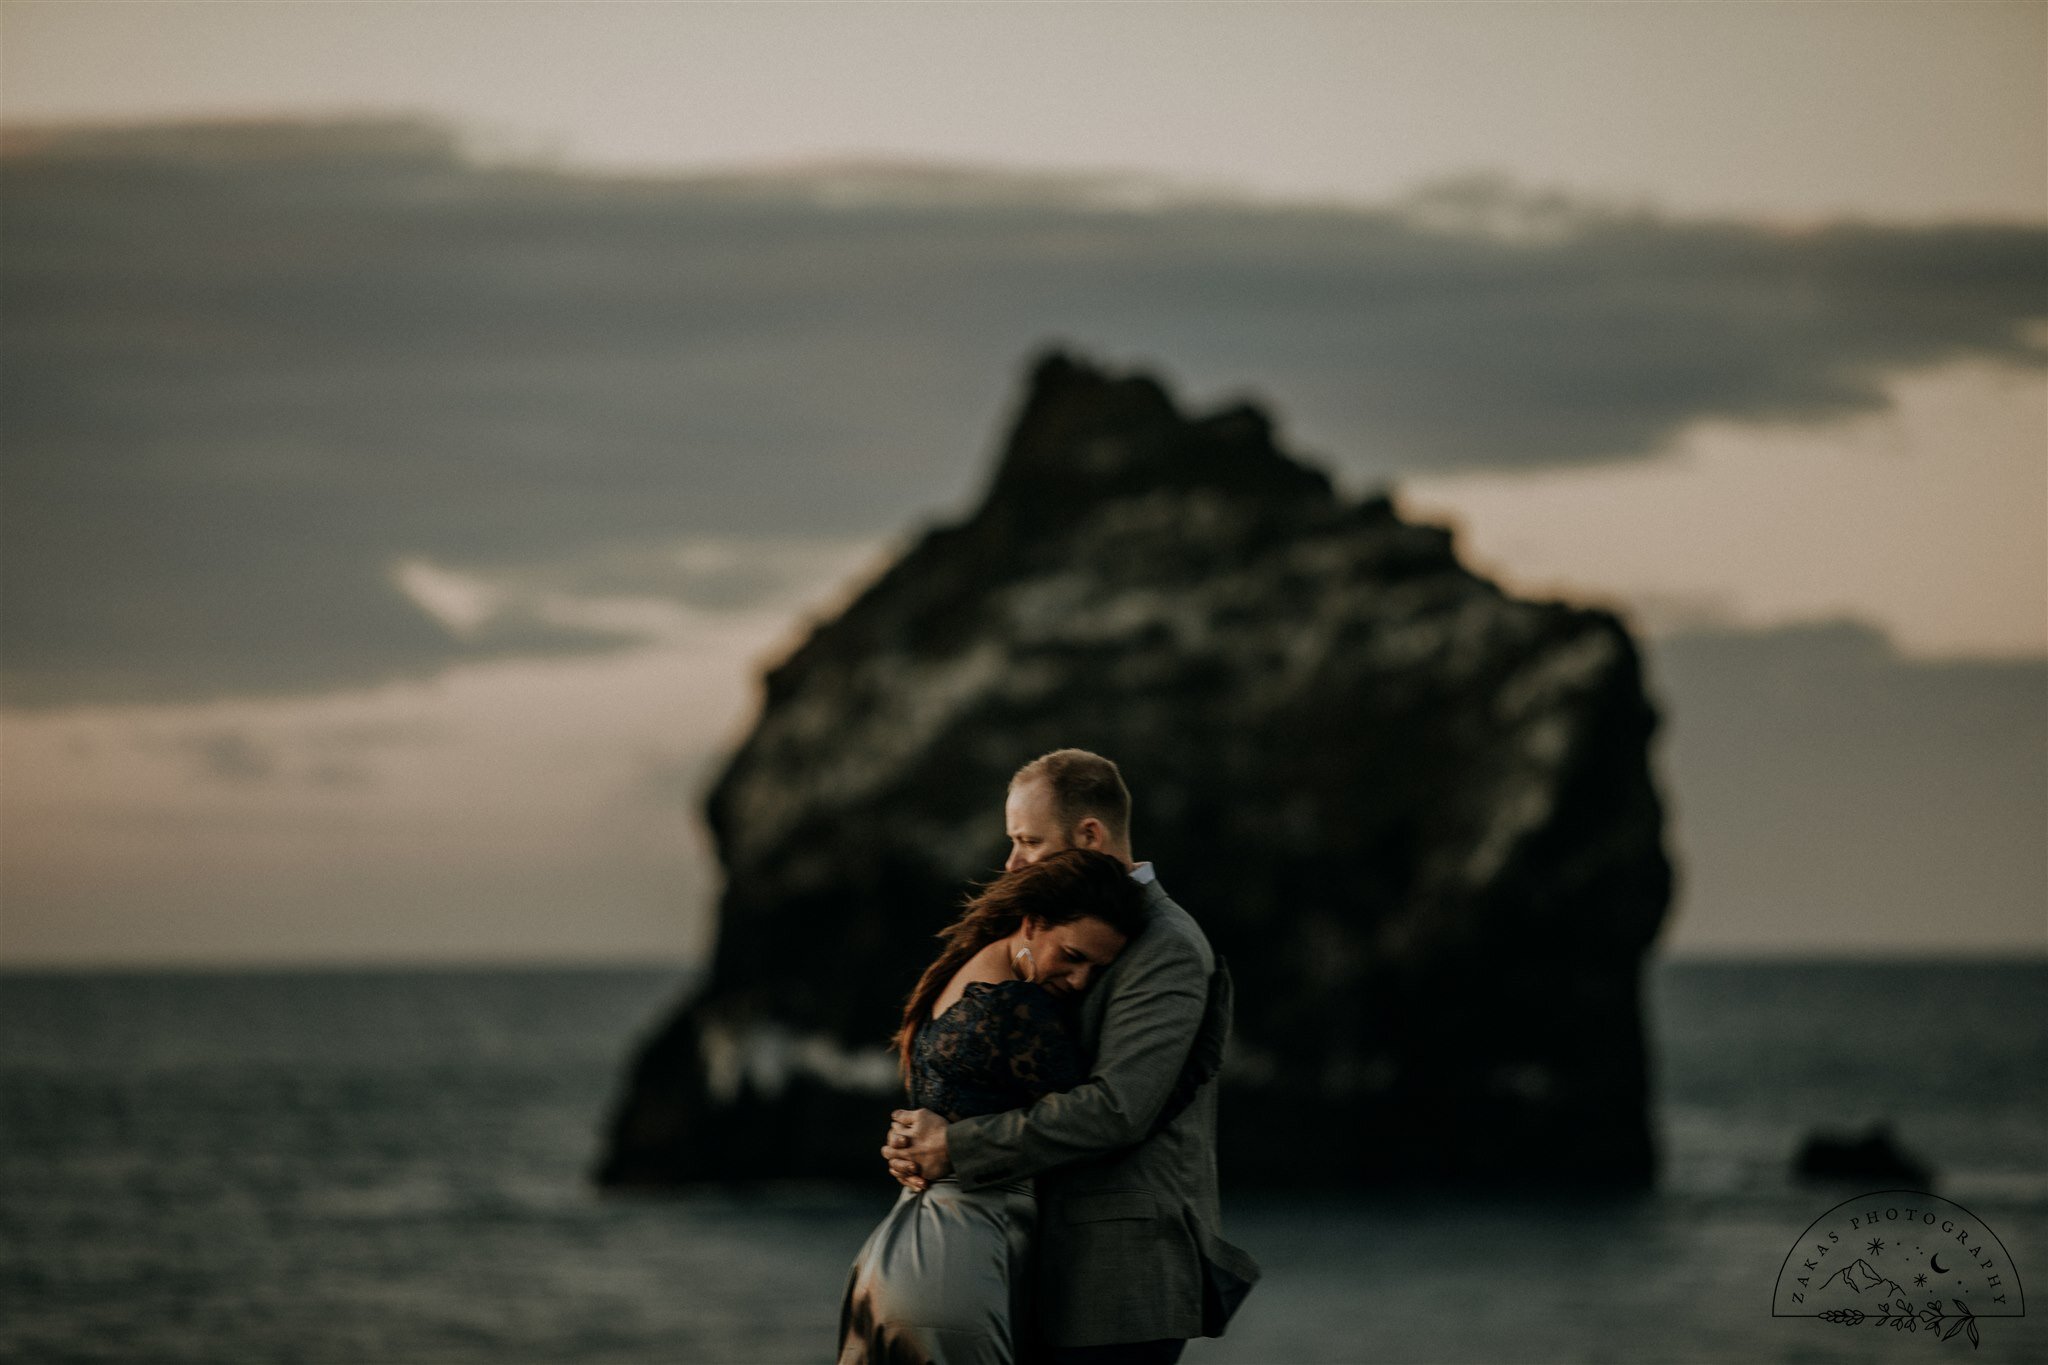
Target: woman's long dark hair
[[1075, 883]]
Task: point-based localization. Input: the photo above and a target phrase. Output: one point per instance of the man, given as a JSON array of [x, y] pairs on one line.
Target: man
[[1131, 1262]]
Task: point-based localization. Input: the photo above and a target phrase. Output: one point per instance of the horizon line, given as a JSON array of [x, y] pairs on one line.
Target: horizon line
[[1735, 957]]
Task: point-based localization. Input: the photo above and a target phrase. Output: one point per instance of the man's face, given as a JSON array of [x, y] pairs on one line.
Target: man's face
[[1033, 823]]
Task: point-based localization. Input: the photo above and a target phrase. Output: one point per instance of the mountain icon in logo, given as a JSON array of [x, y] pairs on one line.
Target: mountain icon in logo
[[1861, 1281]]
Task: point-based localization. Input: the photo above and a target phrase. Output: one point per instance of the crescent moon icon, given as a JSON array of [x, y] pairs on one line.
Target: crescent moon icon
[[1934, 1261]]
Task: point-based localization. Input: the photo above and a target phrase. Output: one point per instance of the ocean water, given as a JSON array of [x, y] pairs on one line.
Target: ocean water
[[390, 1167]]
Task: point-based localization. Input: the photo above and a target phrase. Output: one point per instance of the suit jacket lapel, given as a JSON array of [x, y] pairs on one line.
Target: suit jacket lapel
[[1096, 1002]]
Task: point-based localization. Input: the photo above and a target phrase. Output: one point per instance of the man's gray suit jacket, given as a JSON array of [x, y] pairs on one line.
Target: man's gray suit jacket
[[1127, 1215]]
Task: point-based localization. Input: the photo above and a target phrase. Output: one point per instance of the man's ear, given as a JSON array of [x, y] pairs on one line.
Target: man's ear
[[1090, 834]]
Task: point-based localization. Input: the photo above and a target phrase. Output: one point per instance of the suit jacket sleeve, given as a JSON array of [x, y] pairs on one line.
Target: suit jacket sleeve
[[1149, 1022]]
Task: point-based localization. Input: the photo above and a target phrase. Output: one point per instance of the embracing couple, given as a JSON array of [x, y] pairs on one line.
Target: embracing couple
[[1059, 1155]]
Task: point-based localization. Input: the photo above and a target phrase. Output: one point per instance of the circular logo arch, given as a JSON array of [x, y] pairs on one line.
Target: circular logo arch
[[1903, 1259]]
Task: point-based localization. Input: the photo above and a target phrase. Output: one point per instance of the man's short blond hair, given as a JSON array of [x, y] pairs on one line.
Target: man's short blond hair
[[1083, 784]]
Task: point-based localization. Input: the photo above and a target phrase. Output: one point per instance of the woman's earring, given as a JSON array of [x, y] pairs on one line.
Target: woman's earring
[[1030, 963]]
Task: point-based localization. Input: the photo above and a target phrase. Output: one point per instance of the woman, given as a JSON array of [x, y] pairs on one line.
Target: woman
[[944, 1280]]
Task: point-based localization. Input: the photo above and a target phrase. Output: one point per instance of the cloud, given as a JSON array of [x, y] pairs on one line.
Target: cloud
[[330, 755], [257, 372], [232, 756]]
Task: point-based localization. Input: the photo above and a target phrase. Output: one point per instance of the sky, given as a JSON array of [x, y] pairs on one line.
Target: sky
[[1795, 111], [412, 465]]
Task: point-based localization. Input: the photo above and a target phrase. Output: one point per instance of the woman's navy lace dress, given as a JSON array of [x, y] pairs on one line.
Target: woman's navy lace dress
[[945, 1278]]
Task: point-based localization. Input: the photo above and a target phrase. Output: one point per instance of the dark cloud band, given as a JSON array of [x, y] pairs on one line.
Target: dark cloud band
[[252, 369]]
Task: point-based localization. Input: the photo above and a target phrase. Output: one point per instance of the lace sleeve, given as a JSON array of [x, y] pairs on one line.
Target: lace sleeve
[[1038, 1043]]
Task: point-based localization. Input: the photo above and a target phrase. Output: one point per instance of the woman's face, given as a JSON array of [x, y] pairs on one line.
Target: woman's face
[[1066, 957]]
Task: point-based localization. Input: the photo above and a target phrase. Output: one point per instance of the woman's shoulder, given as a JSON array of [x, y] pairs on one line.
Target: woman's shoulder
[[1011, 988], [1025, 998]]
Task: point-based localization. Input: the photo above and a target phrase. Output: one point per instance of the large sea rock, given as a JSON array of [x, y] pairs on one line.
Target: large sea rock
[[1415, 813]]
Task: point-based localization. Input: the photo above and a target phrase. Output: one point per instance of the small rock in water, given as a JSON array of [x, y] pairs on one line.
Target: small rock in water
[[1876, 1156]]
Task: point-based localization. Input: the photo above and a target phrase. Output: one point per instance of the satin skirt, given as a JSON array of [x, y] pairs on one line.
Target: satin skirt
[[944, 1279]]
